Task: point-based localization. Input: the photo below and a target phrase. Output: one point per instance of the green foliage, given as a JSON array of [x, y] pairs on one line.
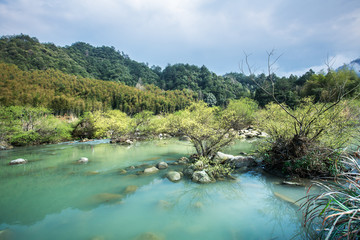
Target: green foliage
[[111, 124], [241, 112], [216, 169], [204, 126], [328, 87], [306, 146], [26, 125], [213, 89], [74, 95]]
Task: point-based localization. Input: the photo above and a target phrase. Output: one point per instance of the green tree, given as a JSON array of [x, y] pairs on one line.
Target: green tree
[[206, 127]]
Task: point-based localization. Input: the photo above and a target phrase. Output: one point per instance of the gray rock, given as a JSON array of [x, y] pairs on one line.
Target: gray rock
[[83, 160], [162, 165], [201, 177], [223, 156], [18, 161], [173, 176], [241, 161], [189, 171], [151, 170], [183, 160]]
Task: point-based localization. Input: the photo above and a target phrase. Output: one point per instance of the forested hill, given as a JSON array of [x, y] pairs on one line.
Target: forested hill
[[106, 63], [64, 93]]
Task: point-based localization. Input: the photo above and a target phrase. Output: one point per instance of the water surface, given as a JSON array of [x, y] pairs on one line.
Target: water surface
[[53, 197]]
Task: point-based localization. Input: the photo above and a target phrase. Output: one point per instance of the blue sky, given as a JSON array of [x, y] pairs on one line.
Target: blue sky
[[214, 33]]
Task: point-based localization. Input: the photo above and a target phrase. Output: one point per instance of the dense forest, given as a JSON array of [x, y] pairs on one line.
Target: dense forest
[[64, 93]]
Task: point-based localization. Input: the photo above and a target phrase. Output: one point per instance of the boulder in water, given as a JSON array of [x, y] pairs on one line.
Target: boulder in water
[[151, 170], [83, 160], [18, 161], [173, 176], [201, 177], [162, 165]]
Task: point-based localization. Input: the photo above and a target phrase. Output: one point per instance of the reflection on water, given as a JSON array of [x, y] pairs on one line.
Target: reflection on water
[[53, 197]]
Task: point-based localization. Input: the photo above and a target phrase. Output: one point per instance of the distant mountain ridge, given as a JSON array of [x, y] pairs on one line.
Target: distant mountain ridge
[[106, 63], [353, 65]]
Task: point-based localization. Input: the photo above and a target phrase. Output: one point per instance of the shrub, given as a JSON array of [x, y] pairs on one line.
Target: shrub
[[305, 141]]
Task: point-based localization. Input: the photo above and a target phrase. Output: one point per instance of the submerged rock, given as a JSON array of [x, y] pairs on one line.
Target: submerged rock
[[201, 177], [18, 161], [198, 205], [162, 165], [98, 238], [173, 176], [130, 189], [151, 170], [107, 197], [6, 234], [122, 171], [83, 160], [149, 236], [164, 204], [286, 198]]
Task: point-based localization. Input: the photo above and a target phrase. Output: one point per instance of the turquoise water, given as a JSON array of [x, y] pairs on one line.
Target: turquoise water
[[53, 197]]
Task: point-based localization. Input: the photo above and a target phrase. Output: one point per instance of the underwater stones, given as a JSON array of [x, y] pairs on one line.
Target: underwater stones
[[130, 189], [18, 161], [90, 173], [164, 204], [285, 198], [151, 170], [198, 205], [98, 238], [149, 236], [123, 171], [107, 197], [293, 183], [6, 234], [201, 177], [83, 160], [162, 165], [173, 176]]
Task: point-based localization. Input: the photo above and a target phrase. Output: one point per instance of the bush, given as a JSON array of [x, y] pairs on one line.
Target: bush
[[25, 138], [305, 141]]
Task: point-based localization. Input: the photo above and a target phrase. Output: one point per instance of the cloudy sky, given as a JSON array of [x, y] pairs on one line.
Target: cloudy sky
[[214, 33]]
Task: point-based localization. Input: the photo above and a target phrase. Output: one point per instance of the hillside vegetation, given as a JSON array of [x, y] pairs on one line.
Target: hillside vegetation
[[64, 93]]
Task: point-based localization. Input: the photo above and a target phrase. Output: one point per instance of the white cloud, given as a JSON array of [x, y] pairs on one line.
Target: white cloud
[[210, 32]]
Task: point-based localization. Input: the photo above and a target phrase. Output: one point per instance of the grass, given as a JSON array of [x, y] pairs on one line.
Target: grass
[[335, 212]]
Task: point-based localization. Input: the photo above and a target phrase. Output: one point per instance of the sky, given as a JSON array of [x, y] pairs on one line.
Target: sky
[[219, 34]]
